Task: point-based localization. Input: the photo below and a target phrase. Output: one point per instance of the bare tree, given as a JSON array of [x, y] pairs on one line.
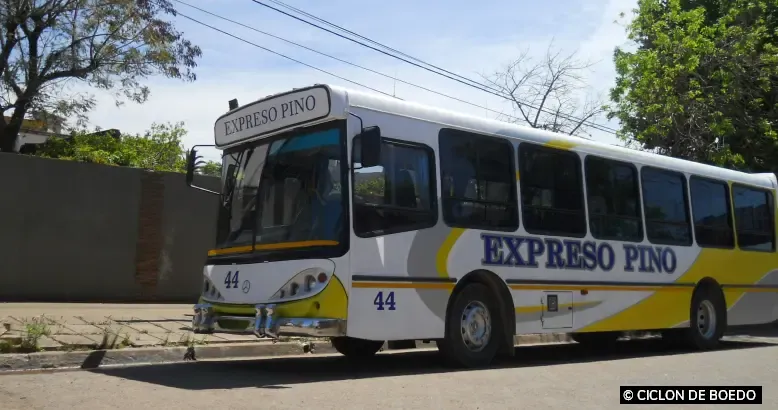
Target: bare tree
[[547, 94]]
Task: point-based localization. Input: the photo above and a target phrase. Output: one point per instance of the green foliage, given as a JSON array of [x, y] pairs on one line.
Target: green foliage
[[34, 330], [211, 168], [159, 149], [106, 44], [702, 81], [370, 187]]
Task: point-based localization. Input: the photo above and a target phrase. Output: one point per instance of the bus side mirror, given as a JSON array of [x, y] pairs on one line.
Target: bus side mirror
[[193, 161], [370, 147]]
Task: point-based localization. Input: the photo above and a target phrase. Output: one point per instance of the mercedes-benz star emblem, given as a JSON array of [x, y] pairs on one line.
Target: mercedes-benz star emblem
[[246, 286]]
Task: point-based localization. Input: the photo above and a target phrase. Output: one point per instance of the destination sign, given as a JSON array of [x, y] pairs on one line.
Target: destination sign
[[275, 114]]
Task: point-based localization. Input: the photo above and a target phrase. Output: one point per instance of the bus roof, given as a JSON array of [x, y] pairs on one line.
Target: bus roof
[[476, 124], [338, 99]]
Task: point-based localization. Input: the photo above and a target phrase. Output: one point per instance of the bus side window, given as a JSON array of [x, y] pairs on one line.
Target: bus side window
[[711, 212], [614, 200], [754, 218], [398, 195], [478, 181], [551, 191], [666, 207]]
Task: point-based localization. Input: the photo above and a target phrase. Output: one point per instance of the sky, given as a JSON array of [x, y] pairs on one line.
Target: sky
[[465, 37]]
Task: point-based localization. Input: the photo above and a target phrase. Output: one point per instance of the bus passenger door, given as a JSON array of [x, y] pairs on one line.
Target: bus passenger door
[[557, 310], [395, 291]]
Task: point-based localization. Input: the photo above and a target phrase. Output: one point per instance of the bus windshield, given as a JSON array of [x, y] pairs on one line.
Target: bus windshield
[[287, 190]]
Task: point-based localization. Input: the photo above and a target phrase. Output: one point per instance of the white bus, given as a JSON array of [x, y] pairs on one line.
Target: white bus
[[366, 219]]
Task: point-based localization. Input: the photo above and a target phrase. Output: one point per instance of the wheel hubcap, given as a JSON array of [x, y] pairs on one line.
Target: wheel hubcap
[[706, 319], [476, 326]]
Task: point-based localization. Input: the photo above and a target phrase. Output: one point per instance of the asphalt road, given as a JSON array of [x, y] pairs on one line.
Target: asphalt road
[[552, 376]]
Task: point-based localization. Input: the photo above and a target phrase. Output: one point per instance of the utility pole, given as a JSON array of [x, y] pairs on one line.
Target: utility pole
[[394, 85]]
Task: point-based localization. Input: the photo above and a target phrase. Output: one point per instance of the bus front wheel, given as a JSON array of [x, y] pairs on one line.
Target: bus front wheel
[[473, 326], [354, 348]]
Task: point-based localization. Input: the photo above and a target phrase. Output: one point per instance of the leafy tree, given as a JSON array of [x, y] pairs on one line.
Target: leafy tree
[[159, 149], [373, 187], [211, 168], [702, 81], [108, 44]]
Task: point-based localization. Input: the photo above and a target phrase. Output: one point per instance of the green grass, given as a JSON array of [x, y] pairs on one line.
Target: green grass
[[34, 330]]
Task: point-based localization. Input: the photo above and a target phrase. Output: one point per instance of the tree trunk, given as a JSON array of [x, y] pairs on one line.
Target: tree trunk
[[9, 133], [7, 139], [6, 143]]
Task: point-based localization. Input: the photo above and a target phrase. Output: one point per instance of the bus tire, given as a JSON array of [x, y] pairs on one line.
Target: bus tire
[[596, 340], [473, 328], [707, 318], [354, 348]]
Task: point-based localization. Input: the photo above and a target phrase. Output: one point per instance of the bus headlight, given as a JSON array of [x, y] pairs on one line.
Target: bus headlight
[[304, 284], [209, 291], [310, 283]]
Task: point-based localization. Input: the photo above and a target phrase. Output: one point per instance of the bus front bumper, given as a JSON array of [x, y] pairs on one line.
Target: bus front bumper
[[265, 323]]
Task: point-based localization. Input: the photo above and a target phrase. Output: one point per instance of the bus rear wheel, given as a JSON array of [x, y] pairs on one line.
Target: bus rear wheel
[[707, 319], [354, 348], [473, 328]]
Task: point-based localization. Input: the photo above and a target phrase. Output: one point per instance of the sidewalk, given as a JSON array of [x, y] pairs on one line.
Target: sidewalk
[[36, 327], [27, 327], [40, 327], [37, 336]]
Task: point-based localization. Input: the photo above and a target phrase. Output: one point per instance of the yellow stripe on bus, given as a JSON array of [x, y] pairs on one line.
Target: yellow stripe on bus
[[748, 289], [402, 285], [662, 310], [441, 261], [560, 144], [540, 308], [271, 247], [227, 251], [620, 288]]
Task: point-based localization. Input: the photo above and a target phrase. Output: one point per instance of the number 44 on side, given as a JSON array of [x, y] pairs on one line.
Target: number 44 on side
[[379, 301]]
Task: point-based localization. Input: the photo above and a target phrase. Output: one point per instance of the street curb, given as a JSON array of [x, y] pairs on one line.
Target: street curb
[[94, 359], [152, 355]]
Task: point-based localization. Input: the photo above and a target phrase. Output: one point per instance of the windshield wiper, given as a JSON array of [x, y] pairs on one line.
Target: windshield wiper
[[231, 180], [246, 215]]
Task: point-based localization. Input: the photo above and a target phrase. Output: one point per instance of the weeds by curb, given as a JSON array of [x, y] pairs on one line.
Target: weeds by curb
[[29, 340]]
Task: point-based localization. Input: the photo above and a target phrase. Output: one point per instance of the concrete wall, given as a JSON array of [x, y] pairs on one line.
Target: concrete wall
[[72, 231]]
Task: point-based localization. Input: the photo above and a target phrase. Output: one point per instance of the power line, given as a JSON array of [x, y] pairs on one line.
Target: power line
[[282, 55], [303, 12], [596, 126], [461, 79], [458, 78], [345, 61]]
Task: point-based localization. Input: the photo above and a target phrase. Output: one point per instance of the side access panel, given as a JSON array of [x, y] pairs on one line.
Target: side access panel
[[557, 310]]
